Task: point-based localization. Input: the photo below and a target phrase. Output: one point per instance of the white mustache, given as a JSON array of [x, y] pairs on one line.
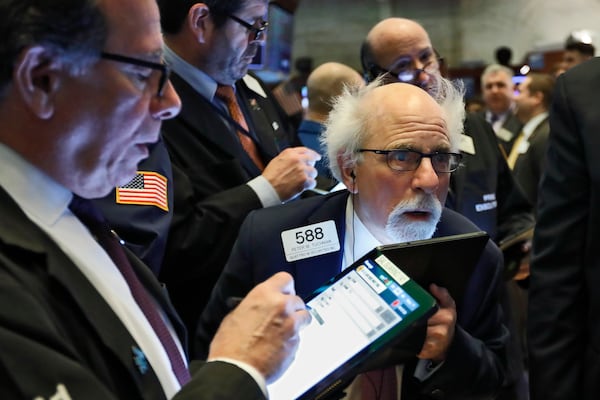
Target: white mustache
[[401, 229]]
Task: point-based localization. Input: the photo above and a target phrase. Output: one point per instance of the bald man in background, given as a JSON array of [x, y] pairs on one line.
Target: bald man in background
[[325, 82]]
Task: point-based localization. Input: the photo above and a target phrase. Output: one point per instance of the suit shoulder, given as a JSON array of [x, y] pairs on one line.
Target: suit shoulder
[[301, 208], [453, 223], [478, 128], [584, 74]]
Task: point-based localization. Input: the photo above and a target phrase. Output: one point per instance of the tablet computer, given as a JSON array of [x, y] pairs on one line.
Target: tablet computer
[[375, 303], [370, 305], [447, 261]]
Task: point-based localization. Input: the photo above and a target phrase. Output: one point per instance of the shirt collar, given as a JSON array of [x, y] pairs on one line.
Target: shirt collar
[[358, 241], [24, 183], [196, 78], [530, 126]]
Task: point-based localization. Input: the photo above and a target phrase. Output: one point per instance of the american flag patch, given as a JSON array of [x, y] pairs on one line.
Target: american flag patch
[[147, 188]]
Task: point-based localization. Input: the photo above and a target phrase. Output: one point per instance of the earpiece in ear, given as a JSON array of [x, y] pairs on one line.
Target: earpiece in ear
[[352, 174]]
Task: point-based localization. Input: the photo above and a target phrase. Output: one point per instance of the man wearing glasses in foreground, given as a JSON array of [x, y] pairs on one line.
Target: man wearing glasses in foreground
[[83, 93], [225, 162], [394, 147]]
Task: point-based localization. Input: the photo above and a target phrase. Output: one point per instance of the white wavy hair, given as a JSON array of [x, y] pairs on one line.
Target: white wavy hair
[[346, 125]]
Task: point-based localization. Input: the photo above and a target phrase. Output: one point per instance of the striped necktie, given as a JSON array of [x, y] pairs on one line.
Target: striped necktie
[[91, 217], [226, 93]]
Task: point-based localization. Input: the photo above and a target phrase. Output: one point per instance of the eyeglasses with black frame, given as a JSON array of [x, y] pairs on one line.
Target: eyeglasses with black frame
[[257, 32], [405, 72], [165, 71], [409, 160]]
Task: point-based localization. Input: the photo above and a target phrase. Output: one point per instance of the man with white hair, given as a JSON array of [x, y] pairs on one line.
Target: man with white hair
[[484, 189], [396, 162]]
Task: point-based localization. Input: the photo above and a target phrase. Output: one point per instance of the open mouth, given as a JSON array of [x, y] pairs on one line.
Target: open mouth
[[418, 214]]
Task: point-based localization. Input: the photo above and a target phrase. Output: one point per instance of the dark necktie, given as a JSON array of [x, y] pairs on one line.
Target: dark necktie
[[91, 217], [380, 384], [226, 93]]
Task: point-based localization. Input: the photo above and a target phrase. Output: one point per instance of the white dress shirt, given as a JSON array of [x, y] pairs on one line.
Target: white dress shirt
[[358, 241], [46, 203]]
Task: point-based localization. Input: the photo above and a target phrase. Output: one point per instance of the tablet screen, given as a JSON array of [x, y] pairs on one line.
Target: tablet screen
[[356, 313]]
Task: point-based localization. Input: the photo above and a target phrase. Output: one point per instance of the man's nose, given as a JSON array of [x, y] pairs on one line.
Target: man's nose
[[425, 178], [168, 105]]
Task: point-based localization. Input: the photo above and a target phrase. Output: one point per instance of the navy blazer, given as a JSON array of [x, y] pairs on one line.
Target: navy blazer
[[483, 188], [211, 198], [475, 367], [56, 329]]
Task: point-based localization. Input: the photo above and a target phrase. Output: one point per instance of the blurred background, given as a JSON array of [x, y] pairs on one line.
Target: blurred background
[[468, 34]]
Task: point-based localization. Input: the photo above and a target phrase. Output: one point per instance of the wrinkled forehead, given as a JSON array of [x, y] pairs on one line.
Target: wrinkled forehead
[[404, 110]]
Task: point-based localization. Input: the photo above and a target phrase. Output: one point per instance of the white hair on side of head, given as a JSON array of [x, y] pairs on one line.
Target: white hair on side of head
[[346, 125], [450, 96]]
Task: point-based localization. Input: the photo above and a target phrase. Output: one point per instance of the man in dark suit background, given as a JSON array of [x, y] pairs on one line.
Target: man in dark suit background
[[83, 91], [527, 160], [563, 328], [527, 157], [497, 90], [209, 45], [396, 164]]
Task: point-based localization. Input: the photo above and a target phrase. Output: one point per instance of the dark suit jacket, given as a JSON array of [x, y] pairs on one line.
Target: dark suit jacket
[[512, 125], [484, 190], [144, 228], [564, 300], [530, 165], [55, 328], [475, 363], [211, 199]]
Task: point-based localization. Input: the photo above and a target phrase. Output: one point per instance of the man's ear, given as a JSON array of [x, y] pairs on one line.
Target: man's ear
[[349, 175], [198, 19], [36, 80]]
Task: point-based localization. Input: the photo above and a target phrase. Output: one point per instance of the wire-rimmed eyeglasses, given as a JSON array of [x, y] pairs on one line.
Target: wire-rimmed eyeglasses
[[165, 71], [407, 73], [409, 160], [256, 32]]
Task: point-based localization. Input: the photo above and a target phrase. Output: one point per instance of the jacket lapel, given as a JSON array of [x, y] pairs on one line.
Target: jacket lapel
[[542, 126], [264, 130], [160, 294], [198, 113], [314, 271], [18, 230]]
